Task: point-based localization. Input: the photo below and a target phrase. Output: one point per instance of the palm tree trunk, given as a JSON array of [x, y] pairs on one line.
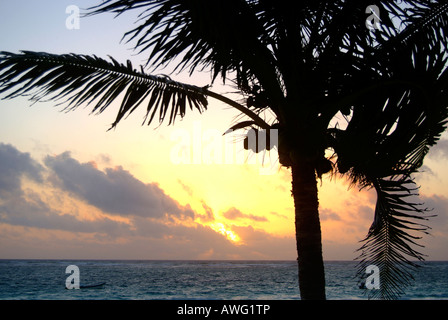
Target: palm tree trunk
[[308, 232]]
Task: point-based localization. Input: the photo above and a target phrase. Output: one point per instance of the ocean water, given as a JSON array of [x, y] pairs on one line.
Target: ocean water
[[195, 280]]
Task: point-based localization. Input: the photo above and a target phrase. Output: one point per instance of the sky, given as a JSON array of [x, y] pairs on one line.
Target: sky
[[71, 189]]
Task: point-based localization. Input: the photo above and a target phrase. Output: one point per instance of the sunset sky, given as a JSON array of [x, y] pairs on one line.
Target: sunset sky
[[70, 189]]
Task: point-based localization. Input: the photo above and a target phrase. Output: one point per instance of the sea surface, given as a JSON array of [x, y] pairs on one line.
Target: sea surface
[[195, 280]]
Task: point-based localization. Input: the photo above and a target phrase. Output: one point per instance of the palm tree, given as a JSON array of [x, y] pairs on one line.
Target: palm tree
[[307, 64]]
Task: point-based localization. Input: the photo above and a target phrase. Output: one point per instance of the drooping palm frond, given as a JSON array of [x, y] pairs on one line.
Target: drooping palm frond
[[80, 79], [399, 108], [391, 242]]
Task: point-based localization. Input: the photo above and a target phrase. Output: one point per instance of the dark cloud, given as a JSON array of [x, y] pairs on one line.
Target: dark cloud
[[114, 190], [13, 166], [156, 226], [328, 214], [234, 214], [31, 211]]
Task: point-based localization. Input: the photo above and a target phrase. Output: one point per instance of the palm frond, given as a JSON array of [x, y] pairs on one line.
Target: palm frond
[[191, 32], [80, 79], [397, 98], [404, 95], [391, 242], [424, 25]]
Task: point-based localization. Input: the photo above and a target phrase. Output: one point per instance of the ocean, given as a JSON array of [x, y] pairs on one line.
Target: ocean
[[194, 280]]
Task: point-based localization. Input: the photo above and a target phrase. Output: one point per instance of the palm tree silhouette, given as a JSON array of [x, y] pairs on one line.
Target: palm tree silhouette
[[308, 64]]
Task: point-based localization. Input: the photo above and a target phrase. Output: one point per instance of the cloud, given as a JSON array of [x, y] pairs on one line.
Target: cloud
[[21, 206], [78, 210], [278, 215], [438, 206], [13, 166], [114, 190], [235, 214], [440, 150], [186, 188], [328, 214], [262, 245], [209, 216], [30, 210], [435, 242]]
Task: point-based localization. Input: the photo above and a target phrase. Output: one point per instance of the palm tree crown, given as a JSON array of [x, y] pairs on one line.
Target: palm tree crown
[[306, 64]]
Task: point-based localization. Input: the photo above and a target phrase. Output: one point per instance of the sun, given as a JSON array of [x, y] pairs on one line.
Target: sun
[[229, 234]]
